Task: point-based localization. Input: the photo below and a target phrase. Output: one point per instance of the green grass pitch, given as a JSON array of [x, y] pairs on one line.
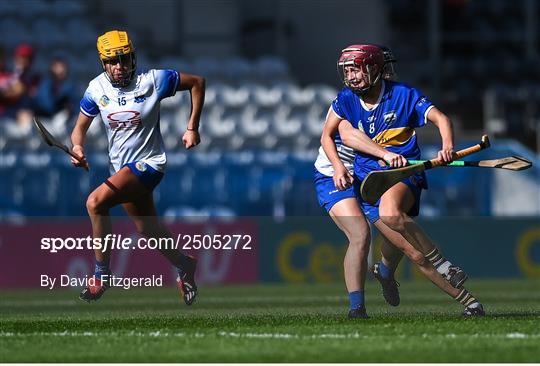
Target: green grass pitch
[[271, 323]]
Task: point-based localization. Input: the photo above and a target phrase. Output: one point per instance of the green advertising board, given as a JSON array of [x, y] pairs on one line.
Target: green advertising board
[[311, 249]]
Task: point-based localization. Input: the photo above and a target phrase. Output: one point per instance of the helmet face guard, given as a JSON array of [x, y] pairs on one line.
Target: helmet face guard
[[126, 59], [115, 47], [368, 59]]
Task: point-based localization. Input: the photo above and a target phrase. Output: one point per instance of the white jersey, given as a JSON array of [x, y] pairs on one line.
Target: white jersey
[[345, 153], [131, 115]]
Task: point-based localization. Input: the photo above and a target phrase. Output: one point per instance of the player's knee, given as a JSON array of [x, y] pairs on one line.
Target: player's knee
[[394, 220], [95, 206], [360, 244], [359, 237]]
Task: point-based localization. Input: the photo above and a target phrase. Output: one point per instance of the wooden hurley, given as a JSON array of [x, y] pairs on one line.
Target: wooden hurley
[[378, 182], [52, 141], [509, 163]]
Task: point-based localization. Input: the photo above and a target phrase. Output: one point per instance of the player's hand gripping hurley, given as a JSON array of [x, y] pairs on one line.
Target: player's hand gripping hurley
[[52, 141], [378, 182]]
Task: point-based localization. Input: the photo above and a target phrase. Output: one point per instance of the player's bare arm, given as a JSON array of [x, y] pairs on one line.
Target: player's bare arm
[[78, 137], [342, 178], [359, 141], [444, 124], [196, 86]]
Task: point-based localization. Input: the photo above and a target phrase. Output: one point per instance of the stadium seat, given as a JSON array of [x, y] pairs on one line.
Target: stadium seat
[[271, 69], [35, 9], [255, 129], [208, 67], [237, 69], [265, 96], [66, 9], [18, 31], [48, 34], [222, 130]]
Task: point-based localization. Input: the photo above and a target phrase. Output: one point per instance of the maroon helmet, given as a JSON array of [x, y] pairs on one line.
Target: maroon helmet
[[364, 57]]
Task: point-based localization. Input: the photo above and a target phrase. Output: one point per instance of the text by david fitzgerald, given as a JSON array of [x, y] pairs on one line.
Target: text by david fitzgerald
[[113, 281]]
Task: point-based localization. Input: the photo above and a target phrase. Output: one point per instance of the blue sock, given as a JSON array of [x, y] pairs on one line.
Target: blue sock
[[101, 268], [356, 299], [384, 271]]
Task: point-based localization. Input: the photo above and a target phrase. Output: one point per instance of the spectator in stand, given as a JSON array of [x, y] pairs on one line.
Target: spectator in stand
[[10, 88], [25, 85], [56, 92]]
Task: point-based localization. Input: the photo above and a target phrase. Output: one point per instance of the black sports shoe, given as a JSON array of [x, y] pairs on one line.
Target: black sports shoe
[[476, 311], [389, 286], [358, 313], [95, 289], [456, 276], [186, 282]]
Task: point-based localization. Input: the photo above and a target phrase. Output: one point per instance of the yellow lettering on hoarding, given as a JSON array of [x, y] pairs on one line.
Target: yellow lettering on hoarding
[[285, 250], [523, 250], [324, 264]]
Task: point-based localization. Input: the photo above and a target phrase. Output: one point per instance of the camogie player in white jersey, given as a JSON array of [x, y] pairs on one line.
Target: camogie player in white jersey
[[128, 100]]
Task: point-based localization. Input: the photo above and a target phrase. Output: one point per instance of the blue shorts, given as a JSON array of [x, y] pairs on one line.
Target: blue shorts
[[372, 211], [327, 193], [146, 174]]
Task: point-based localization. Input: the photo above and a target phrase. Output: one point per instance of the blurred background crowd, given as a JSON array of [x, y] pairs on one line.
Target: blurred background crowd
[[271, 75]]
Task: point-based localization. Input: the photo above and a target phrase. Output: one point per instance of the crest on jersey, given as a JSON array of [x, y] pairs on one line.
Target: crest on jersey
[[140, 99], [140, 166], [390, 117], [104, 100]]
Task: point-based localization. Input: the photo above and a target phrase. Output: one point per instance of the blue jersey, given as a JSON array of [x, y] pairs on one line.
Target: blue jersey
[[390, 123]]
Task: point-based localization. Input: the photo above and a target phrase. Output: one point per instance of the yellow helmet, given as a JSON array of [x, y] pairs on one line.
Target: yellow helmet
[[116, 44]]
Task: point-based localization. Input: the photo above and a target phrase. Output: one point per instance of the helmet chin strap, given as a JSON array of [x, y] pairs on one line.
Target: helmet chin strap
[[124, 82], [370, 86]]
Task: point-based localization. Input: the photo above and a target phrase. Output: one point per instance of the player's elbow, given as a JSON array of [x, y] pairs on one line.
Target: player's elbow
[[325, 138], [200, 83], [346, 138]]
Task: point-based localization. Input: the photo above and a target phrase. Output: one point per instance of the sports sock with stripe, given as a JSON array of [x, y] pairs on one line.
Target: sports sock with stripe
[[466, 298], [440, 263]]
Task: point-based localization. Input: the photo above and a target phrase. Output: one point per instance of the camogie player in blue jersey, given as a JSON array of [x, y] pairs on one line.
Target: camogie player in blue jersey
[[128, 100], [338, 190]]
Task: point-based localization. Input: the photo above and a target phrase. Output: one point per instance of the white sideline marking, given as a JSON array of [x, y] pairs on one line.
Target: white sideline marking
[[162, 334]]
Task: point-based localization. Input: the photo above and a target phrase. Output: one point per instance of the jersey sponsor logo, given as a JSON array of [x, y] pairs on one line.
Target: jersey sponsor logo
[[421, 101], [390, 117], [124, 120], [140, 99], [104, 101]]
